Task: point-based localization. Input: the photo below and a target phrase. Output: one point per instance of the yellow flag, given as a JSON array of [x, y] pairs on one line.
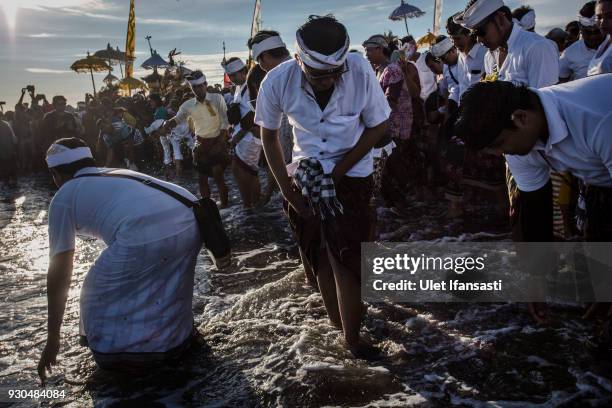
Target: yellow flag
[[130, 42]]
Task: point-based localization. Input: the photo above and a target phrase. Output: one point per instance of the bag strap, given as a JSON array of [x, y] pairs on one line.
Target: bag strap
[[450, 71], [184, 200]]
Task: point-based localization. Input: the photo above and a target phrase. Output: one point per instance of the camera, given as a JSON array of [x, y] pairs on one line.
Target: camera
[[30, 88], [2, 103]]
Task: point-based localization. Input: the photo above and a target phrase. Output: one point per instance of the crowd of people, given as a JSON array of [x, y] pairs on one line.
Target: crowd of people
[[491, 106]]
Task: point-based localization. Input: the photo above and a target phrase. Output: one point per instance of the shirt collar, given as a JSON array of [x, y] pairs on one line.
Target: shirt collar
[[87, 170], [474, 51], [557, 129], [516, 29]]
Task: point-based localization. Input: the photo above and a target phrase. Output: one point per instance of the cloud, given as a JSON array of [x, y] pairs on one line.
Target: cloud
[[48, 71], [42, 35]]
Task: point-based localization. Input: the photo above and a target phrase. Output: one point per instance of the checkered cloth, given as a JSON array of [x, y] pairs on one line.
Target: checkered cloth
[[318, 188]]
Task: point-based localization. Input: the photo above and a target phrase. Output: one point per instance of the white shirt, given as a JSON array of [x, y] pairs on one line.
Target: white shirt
[[429, 83], [532, 60], [471, 67], [249, 147], [579, 121], [575, 60], [137, 295], [357, 102], [602, 60], [450, 80]]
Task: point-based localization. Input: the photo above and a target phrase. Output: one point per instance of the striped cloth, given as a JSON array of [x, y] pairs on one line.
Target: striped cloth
[[318, 188]]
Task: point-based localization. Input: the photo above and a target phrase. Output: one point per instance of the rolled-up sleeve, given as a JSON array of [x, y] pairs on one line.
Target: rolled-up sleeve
[[376, 109], [183, 113], [543, 66], [62, 229], [268, 113], [530, 172]]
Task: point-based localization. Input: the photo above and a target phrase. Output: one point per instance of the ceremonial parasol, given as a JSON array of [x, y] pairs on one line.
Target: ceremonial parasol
[[91, 64], [130, 83], [404, 12], [155, 61], [110, 78], [113, 56], [427, 39]]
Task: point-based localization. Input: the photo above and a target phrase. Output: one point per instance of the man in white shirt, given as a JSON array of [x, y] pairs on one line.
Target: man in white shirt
[[209, 115], [564, 127], [561, 128], [471, 58], [270, 51], [339, 112], [135, 304], [575, 60], [523, 58], [602, 61], [515, 55], [444, 50], [247, 146]]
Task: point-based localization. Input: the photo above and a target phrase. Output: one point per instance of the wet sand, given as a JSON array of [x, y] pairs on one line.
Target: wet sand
[[270, 341]]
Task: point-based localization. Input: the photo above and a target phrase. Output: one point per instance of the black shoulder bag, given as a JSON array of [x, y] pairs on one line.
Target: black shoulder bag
[[233, 110], [213, 234]]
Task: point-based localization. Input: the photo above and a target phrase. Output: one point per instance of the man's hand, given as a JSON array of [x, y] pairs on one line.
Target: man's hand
[[48, 357], [296, 200]]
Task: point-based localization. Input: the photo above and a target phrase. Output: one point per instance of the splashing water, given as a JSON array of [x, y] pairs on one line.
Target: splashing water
[[271, 343]]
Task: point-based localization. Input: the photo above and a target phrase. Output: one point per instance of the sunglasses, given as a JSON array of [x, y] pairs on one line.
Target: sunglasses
[[335, 73], [480, 30]]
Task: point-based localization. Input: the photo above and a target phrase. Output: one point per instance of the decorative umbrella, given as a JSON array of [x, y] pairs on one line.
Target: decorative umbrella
[[130, 83], [110, 78], [404, 12], [91, 65], [113, 56], [155, 61], [427, 39]]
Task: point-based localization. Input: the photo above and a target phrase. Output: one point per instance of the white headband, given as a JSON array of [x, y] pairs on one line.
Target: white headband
[[269, 43], [438, 50], [587, 22], [198, 81], [478, 12], [233, 66], [58, 155], [528, 21], [319, 61]]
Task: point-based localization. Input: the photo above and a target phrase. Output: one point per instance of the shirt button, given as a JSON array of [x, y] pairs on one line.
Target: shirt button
[[324, 140], [322, 120]]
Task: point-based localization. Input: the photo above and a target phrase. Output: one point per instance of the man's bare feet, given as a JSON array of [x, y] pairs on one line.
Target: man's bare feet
[[364, 350]]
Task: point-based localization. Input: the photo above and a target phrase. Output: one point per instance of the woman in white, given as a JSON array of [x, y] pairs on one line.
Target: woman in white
[[247, 145]]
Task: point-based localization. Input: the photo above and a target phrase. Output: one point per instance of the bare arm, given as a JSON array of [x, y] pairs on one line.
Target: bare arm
[[276, 161], [58, 284]]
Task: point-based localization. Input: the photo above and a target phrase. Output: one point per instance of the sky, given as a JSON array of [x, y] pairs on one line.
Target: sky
[[39, 39]]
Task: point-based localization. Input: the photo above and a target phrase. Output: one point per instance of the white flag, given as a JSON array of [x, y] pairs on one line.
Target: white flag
[[437, 16]]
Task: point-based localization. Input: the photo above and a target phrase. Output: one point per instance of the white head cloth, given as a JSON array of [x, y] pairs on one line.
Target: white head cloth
[[478, 12], [319, 61], [438, 50], [269, 43], [233, 67], [587, 22], [528, 21], [198, 81], [156, 125], [58, 155]]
